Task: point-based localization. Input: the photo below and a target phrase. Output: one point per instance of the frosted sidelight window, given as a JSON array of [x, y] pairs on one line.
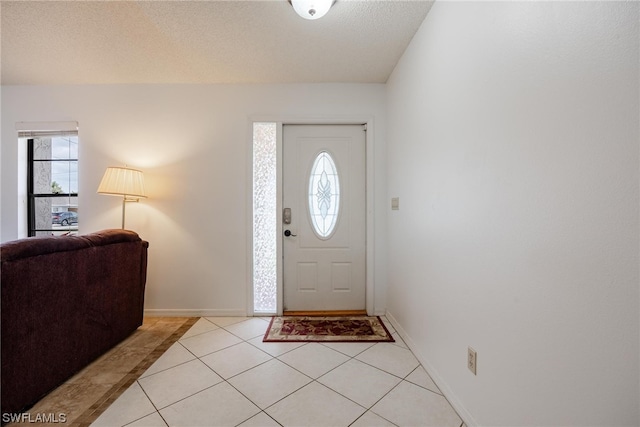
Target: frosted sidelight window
[[324, 195], [264, 218]]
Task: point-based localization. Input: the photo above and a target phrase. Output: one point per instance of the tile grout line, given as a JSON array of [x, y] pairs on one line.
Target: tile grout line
[[225, 380], [157, 409], [350, 357], [354, 357], [94, 411], [271, 358], [366, 409], [154, 406]]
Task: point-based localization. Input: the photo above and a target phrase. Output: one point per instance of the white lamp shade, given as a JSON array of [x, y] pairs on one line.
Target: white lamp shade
[[120, 181], [312, 9]]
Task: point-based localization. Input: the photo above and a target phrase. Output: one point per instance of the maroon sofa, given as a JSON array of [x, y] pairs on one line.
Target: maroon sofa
[[65, 301]]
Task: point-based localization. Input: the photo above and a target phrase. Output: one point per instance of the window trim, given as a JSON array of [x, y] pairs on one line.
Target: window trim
[[31, 195]]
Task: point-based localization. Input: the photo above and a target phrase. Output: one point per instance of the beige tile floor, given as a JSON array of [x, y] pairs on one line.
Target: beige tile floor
[[85, 395], [220, 373]]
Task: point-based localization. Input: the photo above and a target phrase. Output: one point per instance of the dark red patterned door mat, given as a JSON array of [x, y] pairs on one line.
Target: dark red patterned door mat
[[327, 329]]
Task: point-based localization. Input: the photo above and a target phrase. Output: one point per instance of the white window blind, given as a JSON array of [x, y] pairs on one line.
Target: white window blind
[[46, 129]]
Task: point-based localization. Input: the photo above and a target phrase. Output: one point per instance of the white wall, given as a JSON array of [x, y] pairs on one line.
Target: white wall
[[513, 146], [193, 144]]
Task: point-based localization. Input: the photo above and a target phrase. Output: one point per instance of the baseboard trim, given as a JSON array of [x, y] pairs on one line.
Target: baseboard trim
[[453, 399], [178, 312]]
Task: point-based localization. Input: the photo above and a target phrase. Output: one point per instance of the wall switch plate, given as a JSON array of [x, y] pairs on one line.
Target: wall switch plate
[[472, 360], [395, 203]]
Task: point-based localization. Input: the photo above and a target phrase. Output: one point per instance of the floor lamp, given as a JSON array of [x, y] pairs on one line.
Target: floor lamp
[[125, 182]]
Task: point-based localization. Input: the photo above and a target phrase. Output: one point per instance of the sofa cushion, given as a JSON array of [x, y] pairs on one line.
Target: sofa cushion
[[34, 246], [109, 237]]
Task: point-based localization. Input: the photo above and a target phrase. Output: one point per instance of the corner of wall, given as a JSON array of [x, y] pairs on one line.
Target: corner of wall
[[448, 393]]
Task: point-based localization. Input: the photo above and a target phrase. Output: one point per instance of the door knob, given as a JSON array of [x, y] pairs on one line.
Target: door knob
[[288, 233]]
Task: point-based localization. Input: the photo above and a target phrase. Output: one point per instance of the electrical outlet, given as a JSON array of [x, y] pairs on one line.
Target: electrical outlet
[[472, 360]]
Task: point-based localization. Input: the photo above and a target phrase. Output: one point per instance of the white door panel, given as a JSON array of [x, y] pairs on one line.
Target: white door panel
[[324, 272]]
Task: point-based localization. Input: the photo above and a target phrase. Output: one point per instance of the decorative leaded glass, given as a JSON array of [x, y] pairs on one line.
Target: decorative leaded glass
[[264, 218], [324, 195]]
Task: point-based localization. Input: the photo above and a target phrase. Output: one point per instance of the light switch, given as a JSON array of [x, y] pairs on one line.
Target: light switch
[[395, 203]]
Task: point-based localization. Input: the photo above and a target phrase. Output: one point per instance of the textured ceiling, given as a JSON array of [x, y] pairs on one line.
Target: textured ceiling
[[116, 42]]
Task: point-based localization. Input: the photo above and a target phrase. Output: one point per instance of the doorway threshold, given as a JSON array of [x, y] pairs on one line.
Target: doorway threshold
[[326, 313]]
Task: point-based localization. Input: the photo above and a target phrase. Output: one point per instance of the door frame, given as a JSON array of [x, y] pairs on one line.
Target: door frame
[[281, 121]]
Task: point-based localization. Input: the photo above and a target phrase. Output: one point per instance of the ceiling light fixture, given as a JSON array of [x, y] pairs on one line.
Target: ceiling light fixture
[[311, 9]]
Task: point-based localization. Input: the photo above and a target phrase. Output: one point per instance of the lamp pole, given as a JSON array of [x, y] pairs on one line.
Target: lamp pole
[[124, 202]]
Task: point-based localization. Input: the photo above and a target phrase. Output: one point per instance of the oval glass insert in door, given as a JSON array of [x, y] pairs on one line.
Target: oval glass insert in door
[[324, 195]]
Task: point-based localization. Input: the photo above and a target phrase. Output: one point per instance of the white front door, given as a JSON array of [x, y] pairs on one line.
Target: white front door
[[324, 217]]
